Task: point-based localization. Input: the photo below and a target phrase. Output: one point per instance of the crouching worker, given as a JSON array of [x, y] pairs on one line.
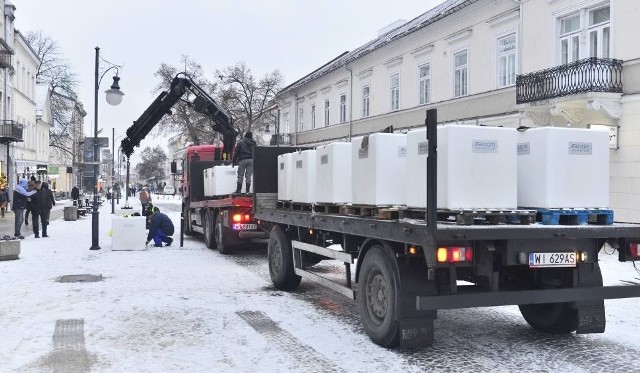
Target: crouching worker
[[160, 229]]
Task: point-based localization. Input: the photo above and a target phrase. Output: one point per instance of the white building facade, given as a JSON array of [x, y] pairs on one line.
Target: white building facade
[[476, 61]]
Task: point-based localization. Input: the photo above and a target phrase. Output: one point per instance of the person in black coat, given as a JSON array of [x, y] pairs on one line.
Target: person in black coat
[[47, 202], [160, 229], [75, 195], [36, 207], [243, 157]]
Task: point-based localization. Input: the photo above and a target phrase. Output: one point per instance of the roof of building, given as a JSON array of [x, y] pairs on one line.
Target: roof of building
[[439, 12]]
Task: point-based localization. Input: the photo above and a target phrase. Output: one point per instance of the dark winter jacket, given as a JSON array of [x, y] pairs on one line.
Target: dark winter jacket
[[160, 221], [243, 150], [75, 193], [20, 195], [47, 197], [4, 195]]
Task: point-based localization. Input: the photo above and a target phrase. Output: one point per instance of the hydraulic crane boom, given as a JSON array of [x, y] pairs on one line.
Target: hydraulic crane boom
[[162, 105]]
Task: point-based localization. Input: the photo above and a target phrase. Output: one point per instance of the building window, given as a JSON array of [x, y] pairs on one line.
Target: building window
[[460, 74], [424, 84], [394, 85], [365, 101], [599, 32], [301, 118], [507, 60], [313, 116], [285, 123], [570, 39], [343, 108], [326, 113]]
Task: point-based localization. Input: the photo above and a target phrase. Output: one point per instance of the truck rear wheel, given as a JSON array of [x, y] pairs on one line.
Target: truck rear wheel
[[280, 254], [187, 223], [209, 237], [221, 238], [377, 298]]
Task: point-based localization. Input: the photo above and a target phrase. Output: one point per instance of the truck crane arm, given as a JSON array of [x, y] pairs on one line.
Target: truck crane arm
[[162, 105]]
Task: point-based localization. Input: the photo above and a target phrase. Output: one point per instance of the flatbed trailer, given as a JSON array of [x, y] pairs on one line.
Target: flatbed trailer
[[407, 269]]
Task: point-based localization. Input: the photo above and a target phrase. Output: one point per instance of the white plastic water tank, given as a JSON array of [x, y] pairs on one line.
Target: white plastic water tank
[[304, 176], [285, 177], [224, 180], [477, 167], [379, 169], [207, 179], [333, 173], [563, 168]]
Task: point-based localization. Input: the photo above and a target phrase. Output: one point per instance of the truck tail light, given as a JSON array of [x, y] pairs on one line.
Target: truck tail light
[[454, 254], [241, 218], [634, 249]]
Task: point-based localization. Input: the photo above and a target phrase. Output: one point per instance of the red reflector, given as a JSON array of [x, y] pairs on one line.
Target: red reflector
[[634, 249], [468, 254]]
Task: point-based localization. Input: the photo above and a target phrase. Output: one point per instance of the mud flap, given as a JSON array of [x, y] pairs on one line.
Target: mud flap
[[591, 318], [416, 332]]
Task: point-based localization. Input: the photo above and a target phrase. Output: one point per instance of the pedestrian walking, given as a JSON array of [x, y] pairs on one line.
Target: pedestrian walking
[[145, 200], [75, 195], [160, 229], [21, 195], [243, 157], [4, 200], [31, 186], [48, 201], [36, 207]]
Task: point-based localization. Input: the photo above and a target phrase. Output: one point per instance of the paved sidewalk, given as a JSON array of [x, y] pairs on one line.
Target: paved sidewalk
[[7, 224]]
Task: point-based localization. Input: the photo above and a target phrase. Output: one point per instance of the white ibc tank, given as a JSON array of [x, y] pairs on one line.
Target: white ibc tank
[[304, 176], [207, 178], [333, 173], [379, 169], [285, 177], [477, 167], [224, 180], [563, 167]]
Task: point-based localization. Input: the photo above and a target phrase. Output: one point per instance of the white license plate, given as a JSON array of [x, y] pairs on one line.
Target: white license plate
[[245, 227], [541, 260]]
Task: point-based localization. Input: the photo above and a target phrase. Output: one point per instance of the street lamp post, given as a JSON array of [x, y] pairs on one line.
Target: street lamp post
[[114, 97]]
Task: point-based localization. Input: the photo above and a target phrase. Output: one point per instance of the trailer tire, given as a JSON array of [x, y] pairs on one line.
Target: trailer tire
[[280, 255], [187, 223], [209, 231], [551, 318], [376, 297], [221, 238]]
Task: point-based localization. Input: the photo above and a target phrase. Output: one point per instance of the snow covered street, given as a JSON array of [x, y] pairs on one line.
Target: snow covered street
[[191, 309]]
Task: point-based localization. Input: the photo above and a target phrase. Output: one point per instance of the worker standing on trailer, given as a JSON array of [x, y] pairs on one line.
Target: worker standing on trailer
[[243, 157]]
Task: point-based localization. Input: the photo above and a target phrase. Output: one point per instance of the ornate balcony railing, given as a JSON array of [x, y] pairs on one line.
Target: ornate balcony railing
[[587, 75], [10, 131]]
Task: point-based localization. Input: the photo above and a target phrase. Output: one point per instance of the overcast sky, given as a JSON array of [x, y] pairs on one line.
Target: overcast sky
[[294, 36]]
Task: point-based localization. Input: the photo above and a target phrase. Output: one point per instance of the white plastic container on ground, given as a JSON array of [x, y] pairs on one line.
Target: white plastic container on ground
[[128, 233]]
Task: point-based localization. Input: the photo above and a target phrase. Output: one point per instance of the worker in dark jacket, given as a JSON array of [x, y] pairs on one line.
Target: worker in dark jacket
[[47, 202], [243, 157], [36, 207], [160, 229]]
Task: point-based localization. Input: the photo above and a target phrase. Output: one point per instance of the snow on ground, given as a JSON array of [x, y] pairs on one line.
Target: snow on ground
[[188, 309]]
